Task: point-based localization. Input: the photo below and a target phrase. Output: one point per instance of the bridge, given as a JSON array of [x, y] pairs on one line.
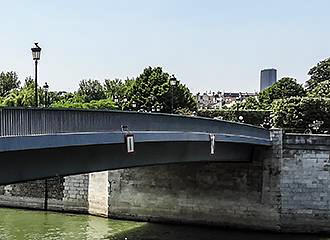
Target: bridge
[[42, 143]]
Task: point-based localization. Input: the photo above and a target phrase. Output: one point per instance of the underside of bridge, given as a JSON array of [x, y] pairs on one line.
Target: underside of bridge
[[18, 166]]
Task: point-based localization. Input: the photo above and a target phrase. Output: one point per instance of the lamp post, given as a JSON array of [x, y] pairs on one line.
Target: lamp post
[[237, 106], [241, 119], [125, 100], [46, 87], [172, 83], [134, 105], [36, 56]]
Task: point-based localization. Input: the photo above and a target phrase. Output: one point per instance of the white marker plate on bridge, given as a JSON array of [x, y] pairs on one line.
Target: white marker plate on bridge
[[130, 143]]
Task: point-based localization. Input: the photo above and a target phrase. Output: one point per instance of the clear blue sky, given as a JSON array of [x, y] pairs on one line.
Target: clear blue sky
[[208, 44]]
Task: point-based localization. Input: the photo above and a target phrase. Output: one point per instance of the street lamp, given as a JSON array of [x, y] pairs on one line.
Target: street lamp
[[46, 87], [134, 105], [36, 56], [241, 118], [172, 83]]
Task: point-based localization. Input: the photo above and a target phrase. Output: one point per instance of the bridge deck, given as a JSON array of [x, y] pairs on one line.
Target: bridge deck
[[40, 143]]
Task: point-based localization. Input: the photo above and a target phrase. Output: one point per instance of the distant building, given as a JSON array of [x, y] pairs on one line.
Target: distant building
[[267, 78], [209, 100], [216, 100], [231, 97]]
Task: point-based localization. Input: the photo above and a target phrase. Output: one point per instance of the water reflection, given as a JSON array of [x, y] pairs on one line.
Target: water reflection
[[28, 225]]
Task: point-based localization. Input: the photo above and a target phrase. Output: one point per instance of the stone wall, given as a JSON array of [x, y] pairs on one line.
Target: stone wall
[[75, 193], [227, 194], [98, 193], [63, 194], [305, 183], [32, 194]]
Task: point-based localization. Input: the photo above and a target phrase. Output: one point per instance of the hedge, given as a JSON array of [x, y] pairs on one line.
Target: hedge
[[251, 117]]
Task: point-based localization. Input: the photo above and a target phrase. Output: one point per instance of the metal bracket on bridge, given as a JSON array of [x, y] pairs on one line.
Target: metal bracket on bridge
[[129, 139], [212, 139]]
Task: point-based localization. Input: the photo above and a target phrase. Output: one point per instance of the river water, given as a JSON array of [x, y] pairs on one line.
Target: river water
[[35, 225]]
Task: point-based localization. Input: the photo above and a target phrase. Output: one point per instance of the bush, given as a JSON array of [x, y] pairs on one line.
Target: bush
[[94, 104], [251, 117]]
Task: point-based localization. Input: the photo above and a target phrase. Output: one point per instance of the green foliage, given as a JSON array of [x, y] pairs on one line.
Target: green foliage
[[318, 74], [321, 90], [8, 81], [250, 103], [21, 97], [94, 104], [28, 82], [249, 116], [298, 112], [118, 88], [152, 88], [284, 88], [91, 90], [185, 111]]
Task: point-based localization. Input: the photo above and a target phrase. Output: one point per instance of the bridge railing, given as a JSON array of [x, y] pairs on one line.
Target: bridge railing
[[28, 121]]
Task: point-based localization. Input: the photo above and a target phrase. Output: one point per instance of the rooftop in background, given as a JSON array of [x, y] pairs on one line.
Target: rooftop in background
[[216, 100]]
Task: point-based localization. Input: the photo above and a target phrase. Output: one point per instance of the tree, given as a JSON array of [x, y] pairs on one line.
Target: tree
[[22, 97], [250, 103], [152, 89], [8, 82], [120, 90], [284, 88], [299, 112], [318, 74], [117, 88], [91, 90], [321, 90]]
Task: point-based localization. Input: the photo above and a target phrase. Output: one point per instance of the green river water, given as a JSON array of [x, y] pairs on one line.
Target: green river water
[[35, 225]]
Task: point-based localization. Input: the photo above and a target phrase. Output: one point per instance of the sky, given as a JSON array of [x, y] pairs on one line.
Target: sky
[[208, 44]]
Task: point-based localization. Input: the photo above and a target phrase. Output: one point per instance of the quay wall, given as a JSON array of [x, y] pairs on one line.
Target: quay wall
[[283, 188]]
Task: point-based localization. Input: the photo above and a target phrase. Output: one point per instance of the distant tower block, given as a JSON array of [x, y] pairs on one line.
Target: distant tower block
[[267, 78]]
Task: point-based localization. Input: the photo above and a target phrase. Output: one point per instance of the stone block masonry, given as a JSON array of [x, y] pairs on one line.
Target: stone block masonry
[[213, 194], [305, 183], [283, 188], [31, 195], [98, 192], [64, 194], [75, 193]]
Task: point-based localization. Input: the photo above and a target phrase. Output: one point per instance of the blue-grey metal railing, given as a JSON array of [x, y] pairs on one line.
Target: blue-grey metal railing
[[21, 121]]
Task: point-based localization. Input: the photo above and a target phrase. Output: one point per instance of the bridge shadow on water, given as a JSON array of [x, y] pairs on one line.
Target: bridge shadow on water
[[151, 231]]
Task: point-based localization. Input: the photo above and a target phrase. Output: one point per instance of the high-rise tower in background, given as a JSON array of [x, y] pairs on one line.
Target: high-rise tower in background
[[267, 78]]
